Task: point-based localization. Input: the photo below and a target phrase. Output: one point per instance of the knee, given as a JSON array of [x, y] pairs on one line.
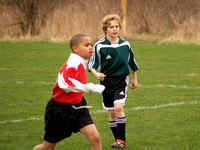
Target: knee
[[95, 138], [38, 147], [112, 114], [118, 109], [45, 145]]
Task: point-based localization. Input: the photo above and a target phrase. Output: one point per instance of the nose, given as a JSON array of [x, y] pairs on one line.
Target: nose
[[115, 29]]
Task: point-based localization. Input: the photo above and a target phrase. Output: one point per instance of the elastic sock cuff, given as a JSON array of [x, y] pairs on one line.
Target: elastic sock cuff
[[121, 120]]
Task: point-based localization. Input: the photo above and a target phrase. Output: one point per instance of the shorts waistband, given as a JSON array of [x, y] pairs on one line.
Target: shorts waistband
[[80, 105]]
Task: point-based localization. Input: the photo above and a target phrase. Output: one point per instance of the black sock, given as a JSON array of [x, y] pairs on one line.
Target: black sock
[[121, 126], [113, 127]]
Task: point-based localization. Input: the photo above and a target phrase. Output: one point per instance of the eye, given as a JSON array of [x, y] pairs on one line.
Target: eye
[[110, 26], [88, 44]]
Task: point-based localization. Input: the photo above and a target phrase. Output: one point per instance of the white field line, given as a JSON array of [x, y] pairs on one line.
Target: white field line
[[20, 120], [168, 86], [103, 111], [145, 86]]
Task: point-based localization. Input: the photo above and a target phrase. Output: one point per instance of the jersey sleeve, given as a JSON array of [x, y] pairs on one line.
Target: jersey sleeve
[[132, 63], [94, 60], [65, 81], [68, 82]]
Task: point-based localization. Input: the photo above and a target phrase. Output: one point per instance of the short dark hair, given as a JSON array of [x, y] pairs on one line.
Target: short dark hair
[[76, 39]]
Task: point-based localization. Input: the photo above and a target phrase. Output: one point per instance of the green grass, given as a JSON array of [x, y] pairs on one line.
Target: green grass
[[167, 98]]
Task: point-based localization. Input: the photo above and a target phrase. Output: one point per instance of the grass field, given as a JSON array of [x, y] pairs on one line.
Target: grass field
[[163, 112]]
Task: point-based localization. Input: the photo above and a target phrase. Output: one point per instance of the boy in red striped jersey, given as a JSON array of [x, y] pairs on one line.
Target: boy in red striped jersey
[[67, 112]]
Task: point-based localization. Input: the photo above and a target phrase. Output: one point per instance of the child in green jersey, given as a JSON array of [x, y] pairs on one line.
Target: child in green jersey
[[114, 59]]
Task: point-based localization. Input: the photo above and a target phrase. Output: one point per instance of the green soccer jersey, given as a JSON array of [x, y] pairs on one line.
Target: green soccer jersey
[[113, 59]]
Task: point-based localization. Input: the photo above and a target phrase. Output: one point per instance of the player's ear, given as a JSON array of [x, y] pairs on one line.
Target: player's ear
[[75, 49]]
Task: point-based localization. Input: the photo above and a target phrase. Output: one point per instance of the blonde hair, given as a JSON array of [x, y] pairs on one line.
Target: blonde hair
[[107, 19]]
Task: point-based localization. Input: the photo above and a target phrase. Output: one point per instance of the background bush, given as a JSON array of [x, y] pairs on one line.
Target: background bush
[[64, 18]]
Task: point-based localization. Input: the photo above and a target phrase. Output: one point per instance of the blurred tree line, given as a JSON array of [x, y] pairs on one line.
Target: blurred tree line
[[63, 18]]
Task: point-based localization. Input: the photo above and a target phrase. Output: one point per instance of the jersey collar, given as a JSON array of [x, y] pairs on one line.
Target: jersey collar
[[108, 42], [82, 60]]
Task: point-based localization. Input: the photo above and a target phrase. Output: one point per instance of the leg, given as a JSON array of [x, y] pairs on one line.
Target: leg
[[113, 124], [117, 121], [45, 146], [91, 133], [121, 120], [112, 115], [119, 110], [121, 124]]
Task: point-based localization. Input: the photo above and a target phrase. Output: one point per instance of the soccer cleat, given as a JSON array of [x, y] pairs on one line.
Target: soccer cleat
[[119, 144]]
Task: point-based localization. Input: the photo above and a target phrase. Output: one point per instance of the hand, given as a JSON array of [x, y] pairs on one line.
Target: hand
[[100, 76], [97, 88], [134, 84]]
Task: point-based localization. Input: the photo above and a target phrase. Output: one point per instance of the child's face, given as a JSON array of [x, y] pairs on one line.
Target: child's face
[[84, 49], [113, 29]]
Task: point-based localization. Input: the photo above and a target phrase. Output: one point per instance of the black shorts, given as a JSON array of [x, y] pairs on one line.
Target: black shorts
[[115, 90], [61, 120]]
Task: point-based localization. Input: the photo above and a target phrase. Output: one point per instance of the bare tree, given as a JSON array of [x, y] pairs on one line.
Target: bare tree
[[30, 15]]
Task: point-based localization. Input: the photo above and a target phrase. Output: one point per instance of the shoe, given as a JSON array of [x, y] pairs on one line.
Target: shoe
[[119, 144]]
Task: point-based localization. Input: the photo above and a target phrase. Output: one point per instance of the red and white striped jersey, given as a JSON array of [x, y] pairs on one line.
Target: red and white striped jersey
[[71, 76]]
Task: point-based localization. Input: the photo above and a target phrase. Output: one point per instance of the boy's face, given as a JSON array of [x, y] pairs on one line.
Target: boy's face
[[84, 49], [113, 29]]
